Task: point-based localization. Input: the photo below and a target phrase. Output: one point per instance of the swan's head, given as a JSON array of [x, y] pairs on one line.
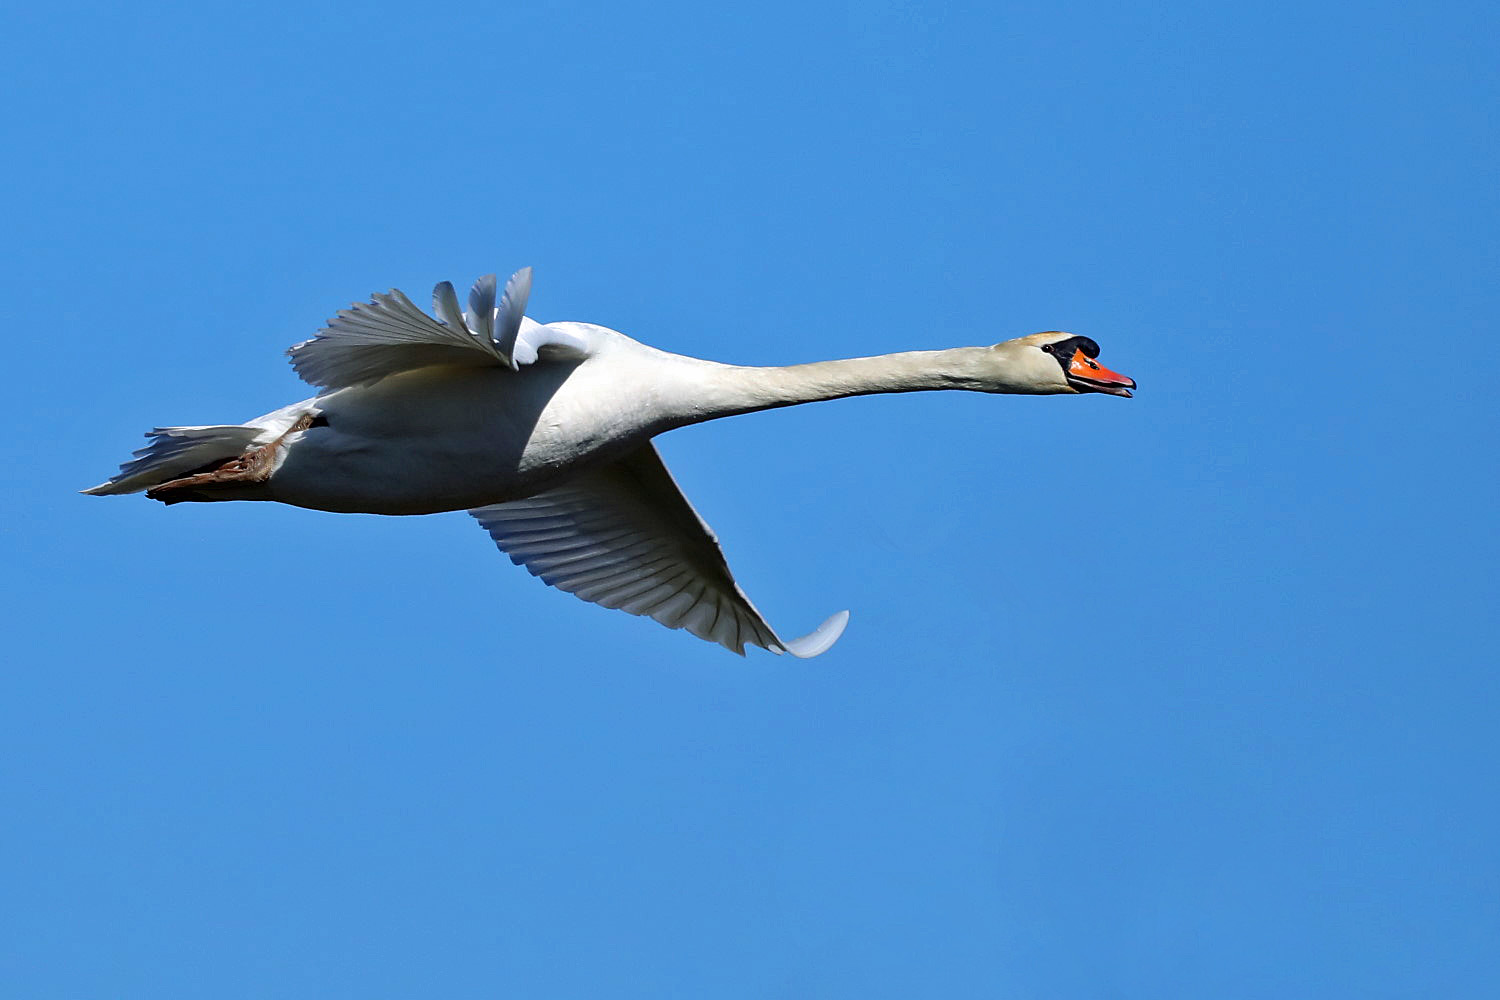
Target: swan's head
[[1058, 362]]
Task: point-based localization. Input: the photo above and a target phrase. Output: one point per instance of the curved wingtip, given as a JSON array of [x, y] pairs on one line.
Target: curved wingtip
[[819, 639]]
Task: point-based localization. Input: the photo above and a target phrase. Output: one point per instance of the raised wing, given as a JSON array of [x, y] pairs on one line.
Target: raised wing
[[624, 536], [387, 335]]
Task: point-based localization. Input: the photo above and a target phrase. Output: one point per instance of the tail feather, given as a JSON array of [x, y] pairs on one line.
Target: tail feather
[[178, 451], [173, 452]]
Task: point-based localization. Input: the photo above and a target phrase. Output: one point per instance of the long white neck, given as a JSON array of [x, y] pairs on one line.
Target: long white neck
[[704, 390]]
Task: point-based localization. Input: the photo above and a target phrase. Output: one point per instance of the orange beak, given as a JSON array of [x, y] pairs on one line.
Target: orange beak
[[1090, 376]]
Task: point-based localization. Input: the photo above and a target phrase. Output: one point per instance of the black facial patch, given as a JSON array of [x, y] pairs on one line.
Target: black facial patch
[[1064, 350]]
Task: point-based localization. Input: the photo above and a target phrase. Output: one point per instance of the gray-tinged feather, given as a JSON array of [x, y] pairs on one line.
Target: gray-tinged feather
[[623, 536], [674, 611], [176, 451], [482, 309], [575, 581], [389, 334], [445, 306], [594, 558], [512, 309]]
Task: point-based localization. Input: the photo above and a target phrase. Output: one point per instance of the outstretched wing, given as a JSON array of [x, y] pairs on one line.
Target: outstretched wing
[[368, 341], [623, 536]]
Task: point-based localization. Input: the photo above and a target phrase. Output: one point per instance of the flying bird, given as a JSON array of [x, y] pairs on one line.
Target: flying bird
[[543, 432]]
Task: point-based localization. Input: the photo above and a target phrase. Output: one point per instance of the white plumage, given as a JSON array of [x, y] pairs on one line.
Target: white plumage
[[543, 433]]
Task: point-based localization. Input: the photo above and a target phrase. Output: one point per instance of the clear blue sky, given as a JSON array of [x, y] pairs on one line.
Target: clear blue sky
[[1191, 695]]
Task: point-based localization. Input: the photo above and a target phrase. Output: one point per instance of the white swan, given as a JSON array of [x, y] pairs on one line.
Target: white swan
[[543, 432]]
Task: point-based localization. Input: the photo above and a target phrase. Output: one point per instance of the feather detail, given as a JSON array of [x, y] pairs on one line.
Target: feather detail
[[623, 536], [481, 315], [446, 308], [387, 335], [508, 317]]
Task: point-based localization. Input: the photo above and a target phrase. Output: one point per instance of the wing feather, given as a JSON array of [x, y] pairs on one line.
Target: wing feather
[[387, 335], [623, 536], [481, 315], [445, 306], [510, 313]]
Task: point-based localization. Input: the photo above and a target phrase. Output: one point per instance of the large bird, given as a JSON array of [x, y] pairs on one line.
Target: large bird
[[542, 431]]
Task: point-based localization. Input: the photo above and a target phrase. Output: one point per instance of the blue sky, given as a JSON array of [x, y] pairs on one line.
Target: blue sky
[[1192, 694]]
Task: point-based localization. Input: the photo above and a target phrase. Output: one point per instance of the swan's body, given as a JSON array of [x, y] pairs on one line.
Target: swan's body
[[543, 433]]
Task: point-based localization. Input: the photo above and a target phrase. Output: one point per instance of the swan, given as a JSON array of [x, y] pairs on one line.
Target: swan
[[543, 432]]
